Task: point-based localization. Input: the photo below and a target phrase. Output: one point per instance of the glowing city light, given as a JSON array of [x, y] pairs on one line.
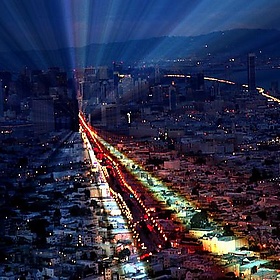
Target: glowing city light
[[150, 182]]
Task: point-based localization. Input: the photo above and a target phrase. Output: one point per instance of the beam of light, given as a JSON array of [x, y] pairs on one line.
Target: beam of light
[[67, 15], [188, 21], [220, 16], [203, 19], [25, 25], [78, 23], [84, 27], [108, 28], [121, 21], [89, 22], [33, 30], [157, 19], [52, 24]]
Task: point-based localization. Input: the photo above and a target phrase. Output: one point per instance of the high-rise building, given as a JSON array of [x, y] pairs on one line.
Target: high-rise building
[[215, 92], [102, 73], [172, 97], [1, 101], [117, 70], [66, 114], [157, 75], [275, 88], [251, 68], [43, 115], [140, 88], [56, 78], [157, 95], [90, 74], [6, 78], [197, 90], [197, 82], [110, 114]]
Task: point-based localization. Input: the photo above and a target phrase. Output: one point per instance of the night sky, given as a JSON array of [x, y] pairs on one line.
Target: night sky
[[52, 24]]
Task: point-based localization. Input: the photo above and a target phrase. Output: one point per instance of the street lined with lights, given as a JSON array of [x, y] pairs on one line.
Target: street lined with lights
[[106, 191], [159, 192], [140, 212]]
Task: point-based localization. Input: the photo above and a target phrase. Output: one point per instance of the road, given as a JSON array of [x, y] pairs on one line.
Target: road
[[150, 240]]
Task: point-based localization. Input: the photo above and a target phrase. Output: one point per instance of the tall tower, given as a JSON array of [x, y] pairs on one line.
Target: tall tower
[[251, 68], [1, 101], [157, 75], [43, 115], [172, 97]]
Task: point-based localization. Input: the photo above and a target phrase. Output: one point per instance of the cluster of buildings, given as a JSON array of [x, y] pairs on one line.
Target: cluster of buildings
[[245, 247], [211, 142], [37, 102], [243, 235], [62, 223], [221, 154], [102, 91]]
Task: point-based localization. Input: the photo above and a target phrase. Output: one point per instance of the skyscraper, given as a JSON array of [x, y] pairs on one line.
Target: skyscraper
[[110, 115], [157, 75], [1, 101], [251, 68], [117, 70], [172, 97], [43, 115]]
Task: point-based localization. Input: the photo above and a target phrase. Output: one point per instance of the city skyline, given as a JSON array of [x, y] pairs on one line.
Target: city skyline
[[124, 156]]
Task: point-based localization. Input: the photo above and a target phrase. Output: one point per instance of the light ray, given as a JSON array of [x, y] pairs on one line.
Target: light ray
[[53, 24]]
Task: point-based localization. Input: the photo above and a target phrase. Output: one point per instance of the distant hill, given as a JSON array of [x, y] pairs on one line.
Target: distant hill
[[237, 42]]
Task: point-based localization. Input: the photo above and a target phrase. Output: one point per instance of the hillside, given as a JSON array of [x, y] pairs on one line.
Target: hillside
[[237, 42]]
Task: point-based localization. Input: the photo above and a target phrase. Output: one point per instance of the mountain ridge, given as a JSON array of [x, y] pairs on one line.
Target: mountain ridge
[[235, 42]]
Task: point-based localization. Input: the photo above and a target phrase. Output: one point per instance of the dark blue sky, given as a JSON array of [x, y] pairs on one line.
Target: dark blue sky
[[51, 24]]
